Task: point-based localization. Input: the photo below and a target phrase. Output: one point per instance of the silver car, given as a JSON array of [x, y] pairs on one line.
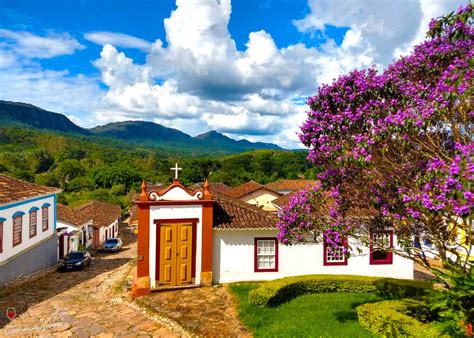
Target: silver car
[[111, 245]]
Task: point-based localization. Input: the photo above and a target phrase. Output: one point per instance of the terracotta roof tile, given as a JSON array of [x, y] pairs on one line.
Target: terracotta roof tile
[[234, 214], [14, 190], [70, 215], [289, 184], [247, 188], [101, 213], [218, 187], [282, 200], [149, 188]]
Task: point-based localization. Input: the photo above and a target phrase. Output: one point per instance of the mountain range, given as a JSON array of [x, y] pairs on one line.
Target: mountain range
[[23, 115]]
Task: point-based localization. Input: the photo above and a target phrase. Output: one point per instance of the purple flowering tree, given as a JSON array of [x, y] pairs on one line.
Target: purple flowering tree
[[396, 151]]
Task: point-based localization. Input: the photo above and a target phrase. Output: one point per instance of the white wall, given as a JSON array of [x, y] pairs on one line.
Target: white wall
[[89, 233], [233, 259], [174, 212], [262, 197], [73, 239], [111, 230], [7, 212]]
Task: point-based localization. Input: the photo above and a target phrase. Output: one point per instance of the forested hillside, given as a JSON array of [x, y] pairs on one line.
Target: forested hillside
[[86, 169], [142, 133]]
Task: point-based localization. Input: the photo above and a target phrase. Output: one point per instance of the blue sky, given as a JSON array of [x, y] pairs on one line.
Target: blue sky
[[244, 67], [145, 21]]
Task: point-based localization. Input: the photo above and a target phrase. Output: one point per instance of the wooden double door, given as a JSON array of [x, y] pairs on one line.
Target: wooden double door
[[175, 254]]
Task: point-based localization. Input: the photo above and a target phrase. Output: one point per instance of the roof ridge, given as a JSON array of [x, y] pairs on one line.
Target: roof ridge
[[13, 189], [246, 205]]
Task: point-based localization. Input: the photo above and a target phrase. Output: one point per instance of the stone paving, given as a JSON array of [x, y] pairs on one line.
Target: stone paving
[[81, 303], [205, 311]]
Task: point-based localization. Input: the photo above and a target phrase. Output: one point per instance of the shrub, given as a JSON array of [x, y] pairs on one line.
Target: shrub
[[274, 293], [390, 288], [392, 318], [455, 304]]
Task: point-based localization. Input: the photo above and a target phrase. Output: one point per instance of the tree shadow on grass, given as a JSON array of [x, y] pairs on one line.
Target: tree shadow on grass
[[346, 316], [351, 315]]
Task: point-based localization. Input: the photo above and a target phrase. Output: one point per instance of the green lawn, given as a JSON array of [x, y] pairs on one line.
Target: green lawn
[[318, 315]]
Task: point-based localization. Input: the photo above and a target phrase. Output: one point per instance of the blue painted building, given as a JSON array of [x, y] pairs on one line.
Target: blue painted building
[[28, 241]]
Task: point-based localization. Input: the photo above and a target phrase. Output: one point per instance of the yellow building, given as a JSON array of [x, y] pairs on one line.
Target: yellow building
[[255, 194], [466, 242]]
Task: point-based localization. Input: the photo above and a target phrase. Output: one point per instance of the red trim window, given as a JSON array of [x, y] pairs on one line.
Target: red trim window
[[45, 218], [1, 235], [379, 240], [17, 229], [266, 254], [33, 222], [335, 256]]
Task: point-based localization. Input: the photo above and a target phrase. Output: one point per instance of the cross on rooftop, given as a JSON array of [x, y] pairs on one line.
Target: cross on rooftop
[[176, 169]]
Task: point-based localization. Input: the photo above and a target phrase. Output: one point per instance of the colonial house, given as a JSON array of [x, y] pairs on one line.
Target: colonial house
[[197, 237], [256, 194], [73, 229], [104, 220], [285, 186], [27, 228], [87, 226]]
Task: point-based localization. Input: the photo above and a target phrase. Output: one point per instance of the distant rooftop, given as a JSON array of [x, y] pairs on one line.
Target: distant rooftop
[[101, 213], [233, 214], [247, 188], [285, 184]]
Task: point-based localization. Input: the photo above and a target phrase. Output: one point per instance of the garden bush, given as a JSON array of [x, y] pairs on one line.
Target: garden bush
[[396, 318], [274, 293]]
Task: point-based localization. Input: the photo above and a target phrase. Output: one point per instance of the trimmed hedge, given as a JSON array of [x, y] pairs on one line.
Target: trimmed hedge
[[390, 318], [274, 293]]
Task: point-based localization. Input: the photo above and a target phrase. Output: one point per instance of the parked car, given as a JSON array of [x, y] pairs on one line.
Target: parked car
[[76, 260], [111, 245]]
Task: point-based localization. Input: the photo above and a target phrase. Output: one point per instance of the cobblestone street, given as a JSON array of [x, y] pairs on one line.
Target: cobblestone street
[[84, 303], [205, 311]]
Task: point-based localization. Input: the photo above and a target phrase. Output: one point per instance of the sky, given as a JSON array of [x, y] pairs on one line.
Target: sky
[[244, 68]]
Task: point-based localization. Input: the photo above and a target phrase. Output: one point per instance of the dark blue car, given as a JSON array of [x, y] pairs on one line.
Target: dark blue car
[[76, 260]]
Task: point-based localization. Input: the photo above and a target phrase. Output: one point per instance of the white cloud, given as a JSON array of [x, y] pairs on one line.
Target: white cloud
[[430, 9], [52, 90], [7, 59], [118, 39], [383, 27], [25, 80], [201, 81], [206, 80], [34, 46]]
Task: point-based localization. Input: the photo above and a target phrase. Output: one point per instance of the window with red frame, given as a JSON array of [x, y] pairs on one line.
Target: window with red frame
[[33, 222], [266, 254], [45, 218], [335, 256], [17, 230], [381, 241]]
